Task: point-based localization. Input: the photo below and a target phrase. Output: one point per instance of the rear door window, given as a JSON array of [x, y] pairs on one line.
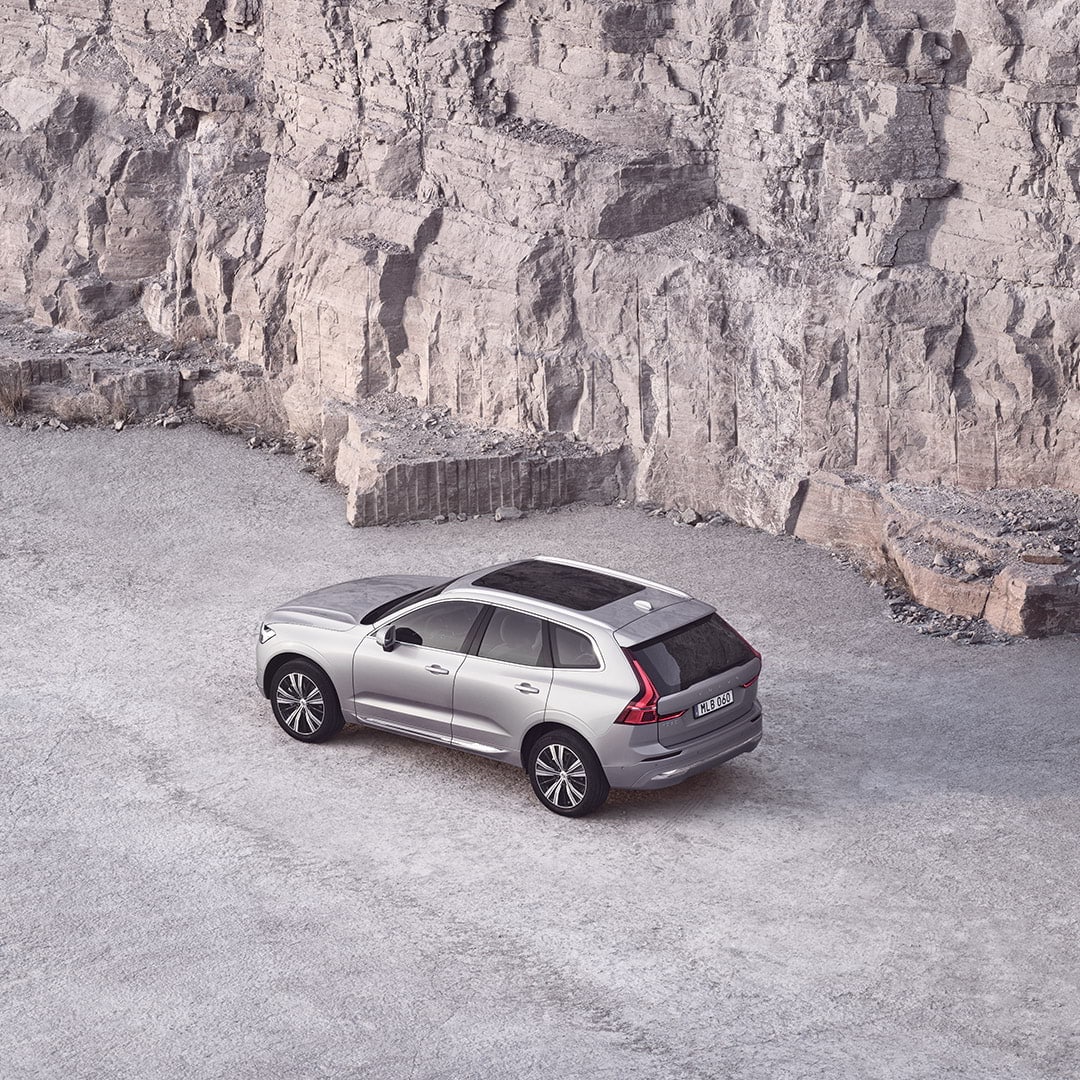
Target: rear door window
[[691, 654], [569, 649], [439, 626], [514, 638]]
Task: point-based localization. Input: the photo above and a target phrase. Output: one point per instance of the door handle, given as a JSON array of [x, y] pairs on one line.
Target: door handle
[[435, 669], [525, 688]]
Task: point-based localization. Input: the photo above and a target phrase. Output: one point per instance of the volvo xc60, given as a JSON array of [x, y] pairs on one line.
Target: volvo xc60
[[587, 678]]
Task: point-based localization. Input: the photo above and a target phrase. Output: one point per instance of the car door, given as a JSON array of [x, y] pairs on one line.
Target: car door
[[501, 689], [410, 687]]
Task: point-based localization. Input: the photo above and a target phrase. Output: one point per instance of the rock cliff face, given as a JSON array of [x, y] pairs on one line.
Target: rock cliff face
[[746, 240]]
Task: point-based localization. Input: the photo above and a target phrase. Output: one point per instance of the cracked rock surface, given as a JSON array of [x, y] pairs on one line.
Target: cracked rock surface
[[744, 241]]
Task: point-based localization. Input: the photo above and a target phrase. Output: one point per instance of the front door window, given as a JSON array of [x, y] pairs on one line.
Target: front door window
[[444, 625]]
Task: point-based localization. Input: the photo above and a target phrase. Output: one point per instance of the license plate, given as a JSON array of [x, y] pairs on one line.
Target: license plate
[[703, 708]]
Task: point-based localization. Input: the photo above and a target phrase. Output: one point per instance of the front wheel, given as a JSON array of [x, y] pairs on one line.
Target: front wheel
[[566, 775], [304, 702]]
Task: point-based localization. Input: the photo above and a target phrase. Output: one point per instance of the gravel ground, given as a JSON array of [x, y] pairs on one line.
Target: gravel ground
[[887, 888]]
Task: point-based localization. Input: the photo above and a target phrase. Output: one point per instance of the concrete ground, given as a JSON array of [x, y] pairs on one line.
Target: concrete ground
[[887, 888]]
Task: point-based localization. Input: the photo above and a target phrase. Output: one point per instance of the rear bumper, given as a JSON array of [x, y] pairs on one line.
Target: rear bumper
[[668, 767]]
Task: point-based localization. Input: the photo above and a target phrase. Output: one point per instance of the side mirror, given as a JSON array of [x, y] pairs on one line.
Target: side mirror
[[385, 637]]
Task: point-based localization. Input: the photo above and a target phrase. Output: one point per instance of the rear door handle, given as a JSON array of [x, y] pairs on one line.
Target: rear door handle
[[526, 688], [435, 669]]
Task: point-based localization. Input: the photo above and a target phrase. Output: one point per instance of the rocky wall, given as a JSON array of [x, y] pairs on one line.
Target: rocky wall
[[745, 240]]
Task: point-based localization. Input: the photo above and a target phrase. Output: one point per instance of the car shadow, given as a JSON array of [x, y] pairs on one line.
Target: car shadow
[[728, 785]]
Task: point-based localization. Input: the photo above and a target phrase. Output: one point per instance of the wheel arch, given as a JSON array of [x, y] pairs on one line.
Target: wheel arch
[[538, 731], [275, 663]]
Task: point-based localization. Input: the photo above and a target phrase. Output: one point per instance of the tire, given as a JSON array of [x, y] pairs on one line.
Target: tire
[[304, 701], [566, 774]]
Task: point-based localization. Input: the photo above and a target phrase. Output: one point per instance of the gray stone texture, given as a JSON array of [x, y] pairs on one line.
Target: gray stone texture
[[746, 242], [395, 462], [885, 890], [958, 553]]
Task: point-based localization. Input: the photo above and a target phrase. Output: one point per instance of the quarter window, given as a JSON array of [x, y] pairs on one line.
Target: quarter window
[[570, 649], [514, 638], [438, 626]]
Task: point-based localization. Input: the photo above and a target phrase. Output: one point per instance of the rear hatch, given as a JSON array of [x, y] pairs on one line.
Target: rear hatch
[[704, 670]]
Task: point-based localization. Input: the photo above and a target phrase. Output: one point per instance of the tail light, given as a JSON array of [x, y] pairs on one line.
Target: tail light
[[642, 710], [747, 685]]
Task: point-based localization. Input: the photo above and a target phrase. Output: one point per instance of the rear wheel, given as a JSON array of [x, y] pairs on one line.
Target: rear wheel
[[304, 702], [566, 775]]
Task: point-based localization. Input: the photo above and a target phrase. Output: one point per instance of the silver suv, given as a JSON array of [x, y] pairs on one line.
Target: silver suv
[[587, 678]]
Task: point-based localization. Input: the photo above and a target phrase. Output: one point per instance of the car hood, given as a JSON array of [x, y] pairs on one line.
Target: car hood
[[341, 606]]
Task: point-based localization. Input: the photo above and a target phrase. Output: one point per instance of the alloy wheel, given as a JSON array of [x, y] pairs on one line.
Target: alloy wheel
[[561, 776], [300, 703]]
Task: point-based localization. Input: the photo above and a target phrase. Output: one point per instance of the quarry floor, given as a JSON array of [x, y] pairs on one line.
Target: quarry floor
[[887, 888]]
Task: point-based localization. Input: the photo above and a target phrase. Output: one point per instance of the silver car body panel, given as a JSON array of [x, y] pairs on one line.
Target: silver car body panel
[[330, 649], [410, 687], [652, 625], [488, 707], [337, 607], [495, 703]]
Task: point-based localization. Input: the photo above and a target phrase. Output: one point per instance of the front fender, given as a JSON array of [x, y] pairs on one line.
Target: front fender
[[330, 650]]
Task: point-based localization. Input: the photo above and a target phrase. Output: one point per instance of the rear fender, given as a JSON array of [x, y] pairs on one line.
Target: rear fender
[[555, 719]]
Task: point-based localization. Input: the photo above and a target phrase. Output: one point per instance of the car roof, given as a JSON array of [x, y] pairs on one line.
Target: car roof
[[577, 592]]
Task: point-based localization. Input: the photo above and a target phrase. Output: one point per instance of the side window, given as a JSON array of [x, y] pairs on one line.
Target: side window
[[513, 637], [571, 649], [438, 626]]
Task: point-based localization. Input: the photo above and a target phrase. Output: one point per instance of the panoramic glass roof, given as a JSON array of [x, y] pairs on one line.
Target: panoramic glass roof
[[569, 586]]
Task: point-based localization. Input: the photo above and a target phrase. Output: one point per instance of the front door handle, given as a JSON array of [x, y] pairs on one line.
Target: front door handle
[[526, 688], [435, 669]]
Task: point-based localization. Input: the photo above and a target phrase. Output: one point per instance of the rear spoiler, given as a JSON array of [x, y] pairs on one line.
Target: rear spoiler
[[661, 621]]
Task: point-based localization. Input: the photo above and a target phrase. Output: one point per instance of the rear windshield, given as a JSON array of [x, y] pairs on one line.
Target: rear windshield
[[691, 654]]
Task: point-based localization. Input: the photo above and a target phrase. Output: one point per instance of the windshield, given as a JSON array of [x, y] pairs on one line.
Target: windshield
[[388, 607], [691, 654]]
